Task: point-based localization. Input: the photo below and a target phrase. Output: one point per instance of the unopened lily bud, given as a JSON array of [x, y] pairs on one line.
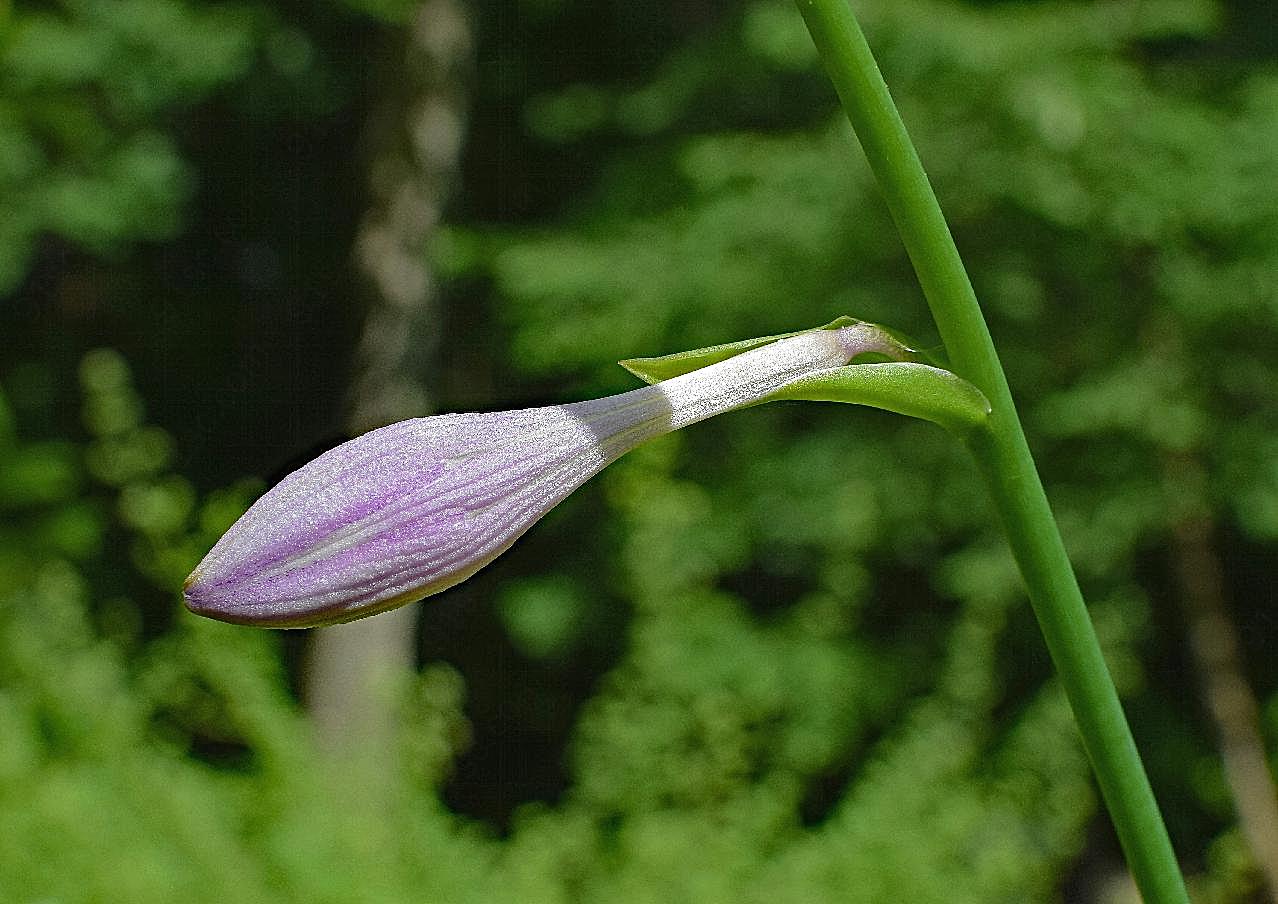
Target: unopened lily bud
[[414, 508]]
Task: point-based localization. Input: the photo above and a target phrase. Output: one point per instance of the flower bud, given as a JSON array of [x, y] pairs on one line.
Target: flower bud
[[414, 508]]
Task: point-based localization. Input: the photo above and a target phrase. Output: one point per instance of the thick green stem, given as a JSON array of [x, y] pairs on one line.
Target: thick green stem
[[1001, 451]]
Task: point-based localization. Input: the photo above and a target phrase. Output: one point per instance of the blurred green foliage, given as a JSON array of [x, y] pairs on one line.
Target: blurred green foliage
[[781, 657], [87, 86]]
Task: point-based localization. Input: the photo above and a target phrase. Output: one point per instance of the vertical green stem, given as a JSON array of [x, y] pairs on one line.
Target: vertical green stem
[[1001, 451]]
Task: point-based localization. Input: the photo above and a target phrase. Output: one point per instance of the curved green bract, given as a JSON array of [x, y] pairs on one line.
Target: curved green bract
[[654, 370], [909, 388], [903, 383]]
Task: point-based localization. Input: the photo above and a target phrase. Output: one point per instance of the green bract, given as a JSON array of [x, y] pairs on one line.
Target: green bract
[[903, 383], [906, 387]]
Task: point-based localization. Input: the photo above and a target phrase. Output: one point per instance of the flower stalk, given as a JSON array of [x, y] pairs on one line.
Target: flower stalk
[[1000, 450]]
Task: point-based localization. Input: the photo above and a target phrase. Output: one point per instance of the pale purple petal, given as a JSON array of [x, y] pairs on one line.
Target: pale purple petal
[[416, 507]]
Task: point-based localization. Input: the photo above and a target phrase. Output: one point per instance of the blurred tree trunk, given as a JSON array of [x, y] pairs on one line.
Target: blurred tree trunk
[[414, 140], [1214, 646]]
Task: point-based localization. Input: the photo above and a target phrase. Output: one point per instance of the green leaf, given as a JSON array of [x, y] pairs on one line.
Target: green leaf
[[906, 387], [654, 370]]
